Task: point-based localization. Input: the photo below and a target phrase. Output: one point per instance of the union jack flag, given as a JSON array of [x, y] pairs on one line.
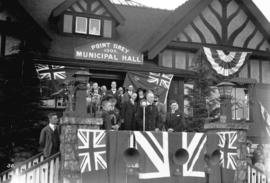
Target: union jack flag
[[51, 72], [160, 79], [228, 148], [92, 150]]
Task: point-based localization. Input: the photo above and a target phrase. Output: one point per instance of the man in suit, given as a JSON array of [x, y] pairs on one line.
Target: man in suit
[[128, 93], [152, 117], [128, 113], [49, 136], [174, 121], [106, 108], [113, 91]]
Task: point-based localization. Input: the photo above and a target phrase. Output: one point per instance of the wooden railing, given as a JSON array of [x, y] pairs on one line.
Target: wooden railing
[[21, 167], [255, 175], [46, 171]]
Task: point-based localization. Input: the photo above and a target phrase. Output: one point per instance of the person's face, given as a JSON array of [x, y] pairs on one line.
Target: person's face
[[95, 85], [54, 120], [141, 94], [103, 88], [174, 106], [130, 88], [134, 96], [150, 98], [120, 90], [108, 106], [96, 91], [113, 85]]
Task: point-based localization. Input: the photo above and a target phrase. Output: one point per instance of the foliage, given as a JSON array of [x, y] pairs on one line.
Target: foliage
[[19, 114], [200, 96]]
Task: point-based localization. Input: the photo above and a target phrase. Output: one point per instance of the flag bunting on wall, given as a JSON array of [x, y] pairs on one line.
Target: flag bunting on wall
[[225, 64], [266, 118], [102, 159]]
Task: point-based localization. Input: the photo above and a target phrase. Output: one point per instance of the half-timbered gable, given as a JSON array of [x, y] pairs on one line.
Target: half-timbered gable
[[225, 23], [87, 18]]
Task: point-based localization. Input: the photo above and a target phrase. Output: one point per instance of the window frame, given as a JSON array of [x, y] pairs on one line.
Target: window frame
[[248, 101], [88, 16], [75, 24]]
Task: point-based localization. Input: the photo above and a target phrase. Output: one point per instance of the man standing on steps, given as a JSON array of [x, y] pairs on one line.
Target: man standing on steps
[[49, 136]]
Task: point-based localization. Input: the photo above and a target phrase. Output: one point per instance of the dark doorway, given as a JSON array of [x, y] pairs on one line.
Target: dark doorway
[[106, 77]]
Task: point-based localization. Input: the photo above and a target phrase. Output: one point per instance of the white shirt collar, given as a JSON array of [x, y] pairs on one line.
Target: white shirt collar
[[53, 127]]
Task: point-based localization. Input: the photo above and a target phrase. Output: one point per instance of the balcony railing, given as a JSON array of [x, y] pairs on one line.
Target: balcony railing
[[21, 167], [46, 171], [255, 175]]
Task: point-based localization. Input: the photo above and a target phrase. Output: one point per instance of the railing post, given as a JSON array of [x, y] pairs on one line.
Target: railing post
[[72, 121], [241, 162]]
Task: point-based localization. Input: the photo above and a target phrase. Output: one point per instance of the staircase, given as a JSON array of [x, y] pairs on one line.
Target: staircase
[[255, 175], [34, 170]]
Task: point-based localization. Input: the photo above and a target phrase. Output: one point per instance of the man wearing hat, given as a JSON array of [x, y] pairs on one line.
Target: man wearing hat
[[174, 121]]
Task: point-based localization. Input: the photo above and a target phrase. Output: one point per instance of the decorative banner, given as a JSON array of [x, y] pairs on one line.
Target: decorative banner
[[101, 157], [108, 51], [266, 118], [228, 148], [51, 72], [157, 82], [92, 152], [225, 64]]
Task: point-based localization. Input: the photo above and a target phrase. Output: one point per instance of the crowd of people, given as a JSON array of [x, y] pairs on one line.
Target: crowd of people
[[122, 110]]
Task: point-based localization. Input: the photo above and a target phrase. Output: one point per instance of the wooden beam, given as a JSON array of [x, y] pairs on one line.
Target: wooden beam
[[110, 66], [3, 44], [195, 46]]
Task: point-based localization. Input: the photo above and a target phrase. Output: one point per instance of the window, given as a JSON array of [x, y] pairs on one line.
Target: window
[[68, 20], [81, 25], [94, 26], [87, 26], [240, 104], [107, 28]]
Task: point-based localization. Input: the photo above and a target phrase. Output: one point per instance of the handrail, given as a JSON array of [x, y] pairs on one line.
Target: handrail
[[22, 166], [21, 163], [43, 162], [44, 171]]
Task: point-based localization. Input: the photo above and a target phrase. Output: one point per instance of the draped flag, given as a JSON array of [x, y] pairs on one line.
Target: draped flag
[[225, 64], [102, 157], [92, 155], [266, 118], [159, 83], [228, 148], [156, 164], [51, 72]]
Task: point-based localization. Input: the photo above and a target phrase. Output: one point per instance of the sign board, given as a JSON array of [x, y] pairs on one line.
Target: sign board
[[109, 52]]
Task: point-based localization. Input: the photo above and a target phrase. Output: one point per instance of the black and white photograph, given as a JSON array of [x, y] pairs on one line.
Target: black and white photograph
[[134, 91]]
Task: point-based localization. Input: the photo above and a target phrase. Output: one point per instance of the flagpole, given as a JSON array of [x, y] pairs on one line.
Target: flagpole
[[143, 118], [143, 104]]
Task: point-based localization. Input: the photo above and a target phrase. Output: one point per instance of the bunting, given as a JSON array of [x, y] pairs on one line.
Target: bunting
[[225, 64]]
